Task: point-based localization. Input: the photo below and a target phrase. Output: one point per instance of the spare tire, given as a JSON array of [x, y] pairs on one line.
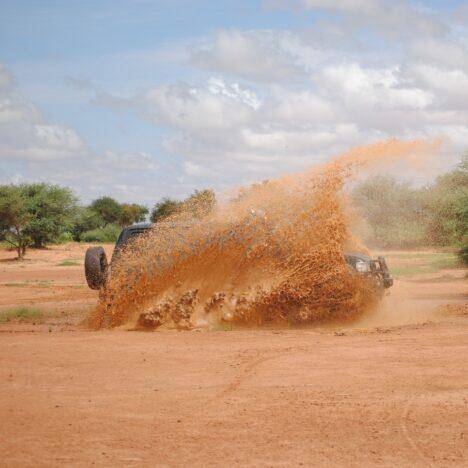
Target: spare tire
[[95, 267]]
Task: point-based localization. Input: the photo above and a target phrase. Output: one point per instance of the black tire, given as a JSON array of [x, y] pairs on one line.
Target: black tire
[[95, 267]]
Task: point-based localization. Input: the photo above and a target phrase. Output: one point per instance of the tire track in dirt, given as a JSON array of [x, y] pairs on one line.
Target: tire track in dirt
[[407, 434], [248, 369]]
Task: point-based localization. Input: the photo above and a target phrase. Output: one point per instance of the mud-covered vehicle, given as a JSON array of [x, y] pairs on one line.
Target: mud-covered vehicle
[[97, 266]]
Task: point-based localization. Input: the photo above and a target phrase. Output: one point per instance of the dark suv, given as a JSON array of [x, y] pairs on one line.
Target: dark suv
[[96, 265]]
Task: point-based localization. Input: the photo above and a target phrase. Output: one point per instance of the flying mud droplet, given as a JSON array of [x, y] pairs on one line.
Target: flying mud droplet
[[273, 254]]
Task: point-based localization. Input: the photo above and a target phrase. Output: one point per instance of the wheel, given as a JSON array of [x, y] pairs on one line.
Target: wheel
[[95, 267]]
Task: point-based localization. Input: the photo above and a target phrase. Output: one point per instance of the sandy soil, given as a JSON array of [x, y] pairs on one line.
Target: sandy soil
[[390, 389], [41, 281]]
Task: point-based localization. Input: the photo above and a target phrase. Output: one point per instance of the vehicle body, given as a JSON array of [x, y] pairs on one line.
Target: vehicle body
[[97, 267]]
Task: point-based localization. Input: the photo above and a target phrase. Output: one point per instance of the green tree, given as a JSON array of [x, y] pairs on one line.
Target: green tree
[[108, 209], [447, 204], [14, 218], [51, 210], [85, 220], [394, 211], [200, 203], [132, 213], [165, 208]]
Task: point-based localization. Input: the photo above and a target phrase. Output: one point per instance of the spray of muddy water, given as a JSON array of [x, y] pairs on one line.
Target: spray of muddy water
[[273, 254]]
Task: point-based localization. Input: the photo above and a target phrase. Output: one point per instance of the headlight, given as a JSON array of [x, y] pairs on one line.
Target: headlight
[[362, 267]]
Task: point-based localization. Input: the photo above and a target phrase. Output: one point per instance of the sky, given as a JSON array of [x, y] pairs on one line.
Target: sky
[[143, 99]]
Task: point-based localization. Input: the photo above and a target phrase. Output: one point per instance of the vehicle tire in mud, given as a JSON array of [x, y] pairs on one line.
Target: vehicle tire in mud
[[95, 267]]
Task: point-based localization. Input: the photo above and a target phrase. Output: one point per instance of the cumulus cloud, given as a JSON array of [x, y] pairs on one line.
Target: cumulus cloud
[[33, 148], [371, 89], [264, 55], [211, 108], [260, 102], [395, 19], [320, 90], [442, 53], [24, 132], [135, 162]]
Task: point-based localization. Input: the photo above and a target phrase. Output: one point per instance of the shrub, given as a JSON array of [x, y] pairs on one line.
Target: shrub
[[20, 314], [393, 210], [85, 220], [447, 203], [64, 237], [109, 233], [165, 208]]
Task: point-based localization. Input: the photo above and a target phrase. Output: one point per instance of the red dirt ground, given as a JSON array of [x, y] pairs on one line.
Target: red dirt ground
[[390, 390]]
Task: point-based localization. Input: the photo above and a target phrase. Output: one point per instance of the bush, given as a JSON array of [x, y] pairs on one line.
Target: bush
[[394, 211], [85, 220], [447, 203], [199, 204], [64, 238], [109, 233], [165, 208], [20, 314]]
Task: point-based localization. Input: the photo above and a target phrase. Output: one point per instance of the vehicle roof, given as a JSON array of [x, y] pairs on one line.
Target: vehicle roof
[[143, 225], [148, 225]]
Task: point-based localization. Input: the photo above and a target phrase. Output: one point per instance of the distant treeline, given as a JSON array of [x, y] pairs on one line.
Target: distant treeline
[[400, 216], [396, 214], [40, 214]]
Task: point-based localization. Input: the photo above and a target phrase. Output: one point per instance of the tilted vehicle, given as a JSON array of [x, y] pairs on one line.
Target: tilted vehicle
[[97, 267]]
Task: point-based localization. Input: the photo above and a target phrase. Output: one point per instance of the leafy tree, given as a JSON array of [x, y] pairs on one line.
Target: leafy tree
[[200, 203], [85, 220], [447, 202], [34, 214], [132, 213], [14, 218], [394, 210], [51, 210], [164, 209], [108, 209]]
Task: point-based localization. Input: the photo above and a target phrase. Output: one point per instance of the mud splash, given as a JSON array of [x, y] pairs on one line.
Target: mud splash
[[272, 255]]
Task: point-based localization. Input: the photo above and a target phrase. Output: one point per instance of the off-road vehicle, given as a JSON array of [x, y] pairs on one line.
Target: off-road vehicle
[[97, 267]]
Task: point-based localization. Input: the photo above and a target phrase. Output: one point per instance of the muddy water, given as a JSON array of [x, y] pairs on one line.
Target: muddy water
[[271, 255]]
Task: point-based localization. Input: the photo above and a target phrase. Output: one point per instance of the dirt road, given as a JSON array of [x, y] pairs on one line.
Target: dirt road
[[258, 398], [388, 390]]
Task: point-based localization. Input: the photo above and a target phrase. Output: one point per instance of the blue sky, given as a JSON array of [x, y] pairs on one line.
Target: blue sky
[[142, 99]]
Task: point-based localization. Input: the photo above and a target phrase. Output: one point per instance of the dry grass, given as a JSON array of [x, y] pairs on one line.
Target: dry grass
[[21, 314]]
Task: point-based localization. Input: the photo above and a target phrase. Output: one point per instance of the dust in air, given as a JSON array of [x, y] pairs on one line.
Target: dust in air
[[272, 255]]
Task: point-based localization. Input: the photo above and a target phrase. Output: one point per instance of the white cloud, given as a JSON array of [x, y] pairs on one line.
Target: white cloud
[[302, 107], [211, 108], [395, 19], [225, 132], [365, 88], [450, 87], [260, 102], [264, 56], [135, 162], [442, 53], [35, 149], [24, 132]]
